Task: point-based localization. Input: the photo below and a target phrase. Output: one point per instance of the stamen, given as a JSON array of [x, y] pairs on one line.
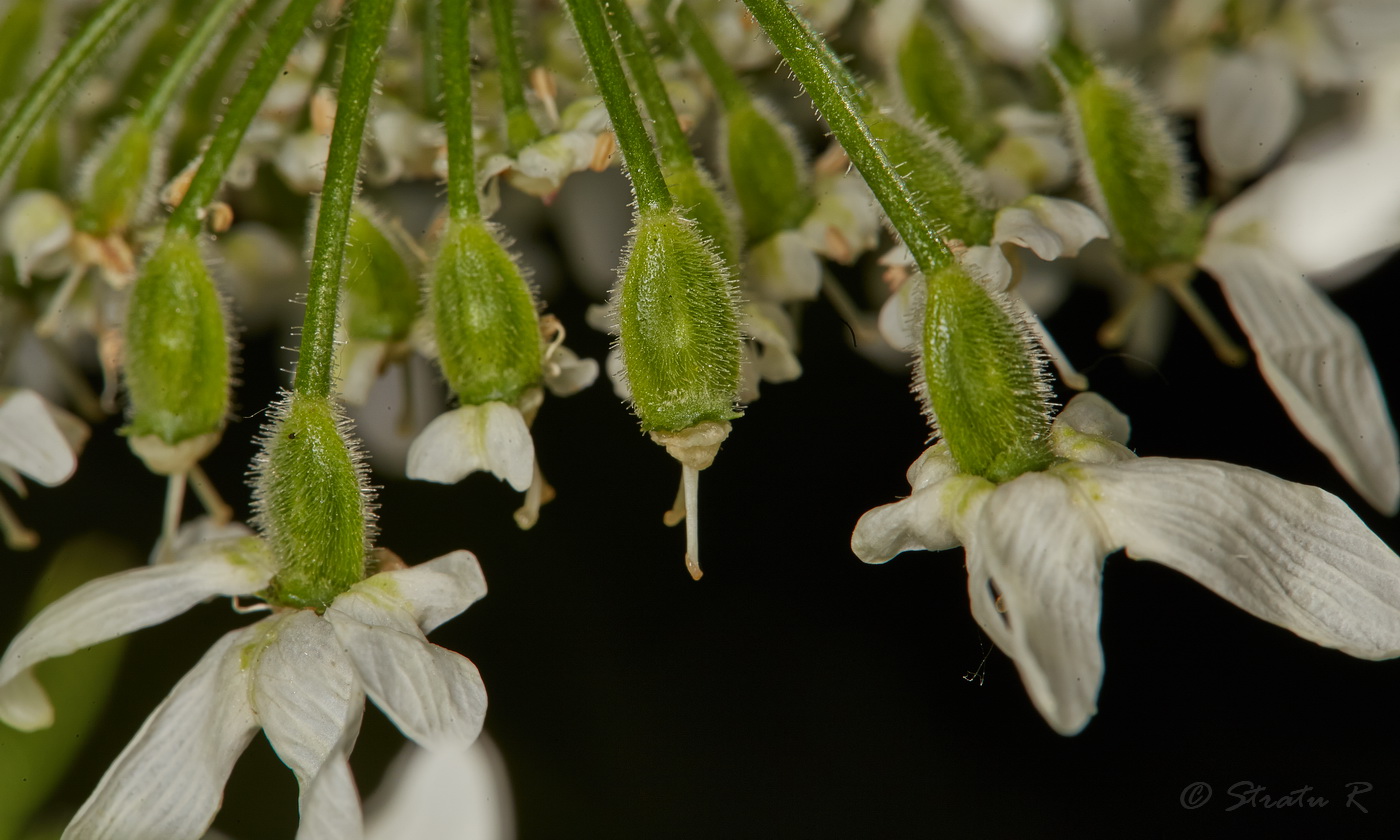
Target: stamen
[[539, 493], [1225, 348], [1068, 374], [208, 496], [690, 480], [17, 537], [174, 505], [676, 515], [1114, 332]]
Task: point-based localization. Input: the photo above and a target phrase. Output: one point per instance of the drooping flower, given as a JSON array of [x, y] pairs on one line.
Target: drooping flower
[[299, 676], [1290, 554]]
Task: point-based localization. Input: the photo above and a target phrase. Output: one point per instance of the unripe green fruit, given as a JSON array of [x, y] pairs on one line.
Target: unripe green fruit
[[679, 330], [117, 181], [934, 170], [381, 292], [484, 315], [766, 171], [696, 195]]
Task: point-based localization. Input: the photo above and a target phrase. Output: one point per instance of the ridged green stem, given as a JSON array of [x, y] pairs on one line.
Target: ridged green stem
[[647, 181], [670, 139], [521, 130], [241, 110], [457, 108], [732, 92], [369, 24], [195, 50], [101, 31]]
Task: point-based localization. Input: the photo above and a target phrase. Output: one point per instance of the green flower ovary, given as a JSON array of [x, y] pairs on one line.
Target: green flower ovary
[[310, 505], [177, 357], [939, 179], [982, 380], [484, 315], [679, 329], [118, 181]]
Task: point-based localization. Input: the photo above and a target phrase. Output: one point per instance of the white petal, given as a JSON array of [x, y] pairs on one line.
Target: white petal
[[169, 781], [201, 536], [1290, 554], [769, 325], [900, 316], [427, 595], [1043, 552], [929, 520], [782, 268], [1091, 414], [1252, 107], [1050, 227], [1315, 360], [330, 808], [305, 692], [1015, 31], [358, 365], [443, 794], [617, 373], [988, 265], [492, 438], [32, 441], [114, 605], [433, 695], [566, 374]]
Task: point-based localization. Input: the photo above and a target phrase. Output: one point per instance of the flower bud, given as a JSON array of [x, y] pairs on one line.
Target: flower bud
[[116, 179], [1132, 167], [766, 170], [981, 378], [484, 316], [177, 358], [679, 331], [311, 502]]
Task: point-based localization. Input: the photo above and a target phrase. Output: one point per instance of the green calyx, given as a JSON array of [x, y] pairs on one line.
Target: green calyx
[[982, 380], [935, 172], [311, 503], [381, 292], [484, 316], [177, 349], [679, 330], [1133, 168], [766, 170], [118, 173], [938, 81]]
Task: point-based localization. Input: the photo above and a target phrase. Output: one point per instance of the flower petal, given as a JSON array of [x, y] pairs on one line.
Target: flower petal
[[1252, 107], [1050, 227], [169, 781], [32, 441], [1043, 553], [330, 808], [307, 697], [492, 438], [443, 793], [1290, 554], [433, 695], [928, 520], [782, 268], [426, 596], [117, 604], [1315, 360]]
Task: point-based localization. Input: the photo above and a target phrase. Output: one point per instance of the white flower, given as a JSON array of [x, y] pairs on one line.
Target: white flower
[[1015, 31], [492, 437], [300, 677], [1290, 554], [1309, 351], [443, 795], [583, 140], [39, 440]]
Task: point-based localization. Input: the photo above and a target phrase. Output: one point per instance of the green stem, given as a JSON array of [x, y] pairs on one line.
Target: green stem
[[100, 32], [241, 110], [369, 24], [731, 90], [521, 129], [647, 180], [671, 140], [843, 103], [217, 78], [432, 59], [457, 106], [181, 71]]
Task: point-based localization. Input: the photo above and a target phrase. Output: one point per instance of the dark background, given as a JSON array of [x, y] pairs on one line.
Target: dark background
[[796, 692]]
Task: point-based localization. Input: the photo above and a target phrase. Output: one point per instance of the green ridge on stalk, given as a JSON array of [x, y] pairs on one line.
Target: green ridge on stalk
[[982, 375], [21, 31], [99, 34]]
